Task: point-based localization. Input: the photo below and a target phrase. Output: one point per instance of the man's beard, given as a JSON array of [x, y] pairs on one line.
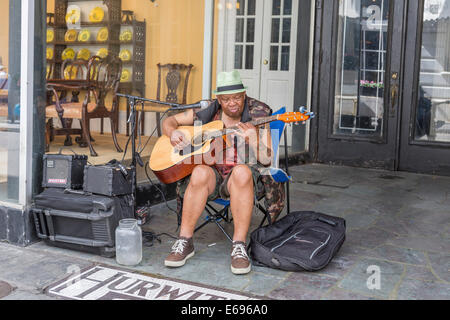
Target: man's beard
[[233, 115]]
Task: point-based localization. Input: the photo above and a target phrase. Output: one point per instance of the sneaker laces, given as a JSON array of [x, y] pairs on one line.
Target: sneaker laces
[[239, 251], [179, 245]]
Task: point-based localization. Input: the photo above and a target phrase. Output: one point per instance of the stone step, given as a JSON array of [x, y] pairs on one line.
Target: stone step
[[435, 79], [430, 65]]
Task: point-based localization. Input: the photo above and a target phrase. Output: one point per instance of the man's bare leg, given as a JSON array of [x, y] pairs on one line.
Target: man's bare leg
[[202, 183], [240, 187]]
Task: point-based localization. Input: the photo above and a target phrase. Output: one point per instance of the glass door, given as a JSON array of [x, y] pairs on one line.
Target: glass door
[[359, 82], [425, 135]]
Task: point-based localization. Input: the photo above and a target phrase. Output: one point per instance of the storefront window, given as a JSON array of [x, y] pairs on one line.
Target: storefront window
[[10, 38], [433, 104], [160, 45]]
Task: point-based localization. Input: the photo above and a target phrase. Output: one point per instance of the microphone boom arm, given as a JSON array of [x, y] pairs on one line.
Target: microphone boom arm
[[172, 105]]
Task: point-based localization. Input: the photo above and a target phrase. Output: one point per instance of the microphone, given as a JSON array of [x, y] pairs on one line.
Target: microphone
[[201, 104]]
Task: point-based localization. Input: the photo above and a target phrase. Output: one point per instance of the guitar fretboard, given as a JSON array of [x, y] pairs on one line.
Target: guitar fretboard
[[256, 122]]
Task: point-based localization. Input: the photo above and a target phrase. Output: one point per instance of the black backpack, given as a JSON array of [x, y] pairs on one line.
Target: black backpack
[[302, 240]]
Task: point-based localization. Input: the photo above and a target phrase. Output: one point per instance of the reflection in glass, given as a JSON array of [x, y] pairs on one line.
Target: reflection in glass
[[360, 71], [433, 101], [251, 7], [239, 30], [250, 29], [276, 7], [275, 35], [286, 35], [274, 57], [287, 9], [240, 7], [9, 101], [284, 58], [238, 56], [249, 57]]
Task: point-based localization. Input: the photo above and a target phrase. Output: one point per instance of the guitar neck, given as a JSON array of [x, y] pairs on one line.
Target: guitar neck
[[256, 123]]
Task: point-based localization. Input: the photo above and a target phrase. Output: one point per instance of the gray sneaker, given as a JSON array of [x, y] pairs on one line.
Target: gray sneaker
[[182, 250], [240, 262]]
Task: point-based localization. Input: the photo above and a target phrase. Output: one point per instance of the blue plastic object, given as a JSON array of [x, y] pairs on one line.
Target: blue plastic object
[[17, 110]]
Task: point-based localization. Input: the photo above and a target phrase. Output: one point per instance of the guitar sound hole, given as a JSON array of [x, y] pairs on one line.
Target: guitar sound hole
[[188, 149]]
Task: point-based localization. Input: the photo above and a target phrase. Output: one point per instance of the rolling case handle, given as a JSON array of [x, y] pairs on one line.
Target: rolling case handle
[[41, 226], [54, 237], [76, 215]]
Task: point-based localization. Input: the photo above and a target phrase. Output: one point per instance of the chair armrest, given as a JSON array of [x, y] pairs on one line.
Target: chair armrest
[[279, 175]]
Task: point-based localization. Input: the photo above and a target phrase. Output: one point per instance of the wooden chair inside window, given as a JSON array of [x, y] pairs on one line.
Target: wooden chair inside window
[[172, 86], [97, 78]]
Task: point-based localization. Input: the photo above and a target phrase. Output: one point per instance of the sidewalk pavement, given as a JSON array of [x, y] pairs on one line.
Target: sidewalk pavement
[[397, 223]]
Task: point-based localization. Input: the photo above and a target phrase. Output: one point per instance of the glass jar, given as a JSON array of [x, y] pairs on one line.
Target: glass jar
[[128, 242]]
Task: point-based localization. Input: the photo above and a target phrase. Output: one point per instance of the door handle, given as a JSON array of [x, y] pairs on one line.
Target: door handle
[[265, 61], [394, 93]]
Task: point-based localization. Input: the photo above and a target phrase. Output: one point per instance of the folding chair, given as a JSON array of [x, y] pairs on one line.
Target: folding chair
[[217, 215]]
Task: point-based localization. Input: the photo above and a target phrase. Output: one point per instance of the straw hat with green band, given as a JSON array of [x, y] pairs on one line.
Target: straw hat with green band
[[229, 83]]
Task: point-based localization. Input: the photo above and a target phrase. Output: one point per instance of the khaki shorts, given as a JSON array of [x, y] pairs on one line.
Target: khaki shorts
[[221, 190]]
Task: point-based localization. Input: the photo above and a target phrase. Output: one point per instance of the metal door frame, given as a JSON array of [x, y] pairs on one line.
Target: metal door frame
[[323, 94], [417, 156]]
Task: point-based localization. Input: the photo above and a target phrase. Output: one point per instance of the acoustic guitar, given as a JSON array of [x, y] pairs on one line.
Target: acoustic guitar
[[171, 164]]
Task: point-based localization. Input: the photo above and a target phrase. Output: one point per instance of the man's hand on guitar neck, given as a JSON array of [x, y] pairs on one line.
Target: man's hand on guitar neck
[[248, 132]]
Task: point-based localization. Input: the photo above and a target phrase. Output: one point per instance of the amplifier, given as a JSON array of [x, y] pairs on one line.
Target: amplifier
[[108, 180], [63, 171]]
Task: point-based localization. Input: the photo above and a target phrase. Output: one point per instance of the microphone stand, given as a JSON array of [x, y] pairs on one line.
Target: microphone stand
[[132, 101]]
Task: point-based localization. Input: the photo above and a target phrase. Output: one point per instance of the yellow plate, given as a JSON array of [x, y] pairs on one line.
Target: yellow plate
[[126, 75], [103, 34], [73, 16], [70, 72], [102, 53], [125, 55], [47, 73], [68, 53], [84, 54], [96, 15], [126, 35], [49, 53], [50, 35], [71, 35], [84, 35]]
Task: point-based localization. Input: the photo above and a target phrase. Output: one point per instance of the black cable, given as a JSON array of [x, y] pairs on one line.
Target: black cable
[[148, 140], [149, 237], [146, 143], [66, 148], [160, 191]]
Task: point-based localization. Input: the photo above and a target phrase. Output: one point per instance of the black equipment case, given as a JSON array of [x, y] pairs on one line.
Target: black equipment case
[[63, 171], [74, 220], [108, 180], [302, 240]]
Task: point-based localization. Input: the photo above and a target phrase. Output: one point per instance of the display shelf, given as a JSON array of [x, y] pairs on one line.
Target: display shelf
[[116, 21]]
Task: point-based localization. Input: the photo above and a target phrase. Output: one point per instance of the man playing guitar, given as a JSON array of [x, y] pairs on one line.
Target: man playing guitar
[[230, 176]]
